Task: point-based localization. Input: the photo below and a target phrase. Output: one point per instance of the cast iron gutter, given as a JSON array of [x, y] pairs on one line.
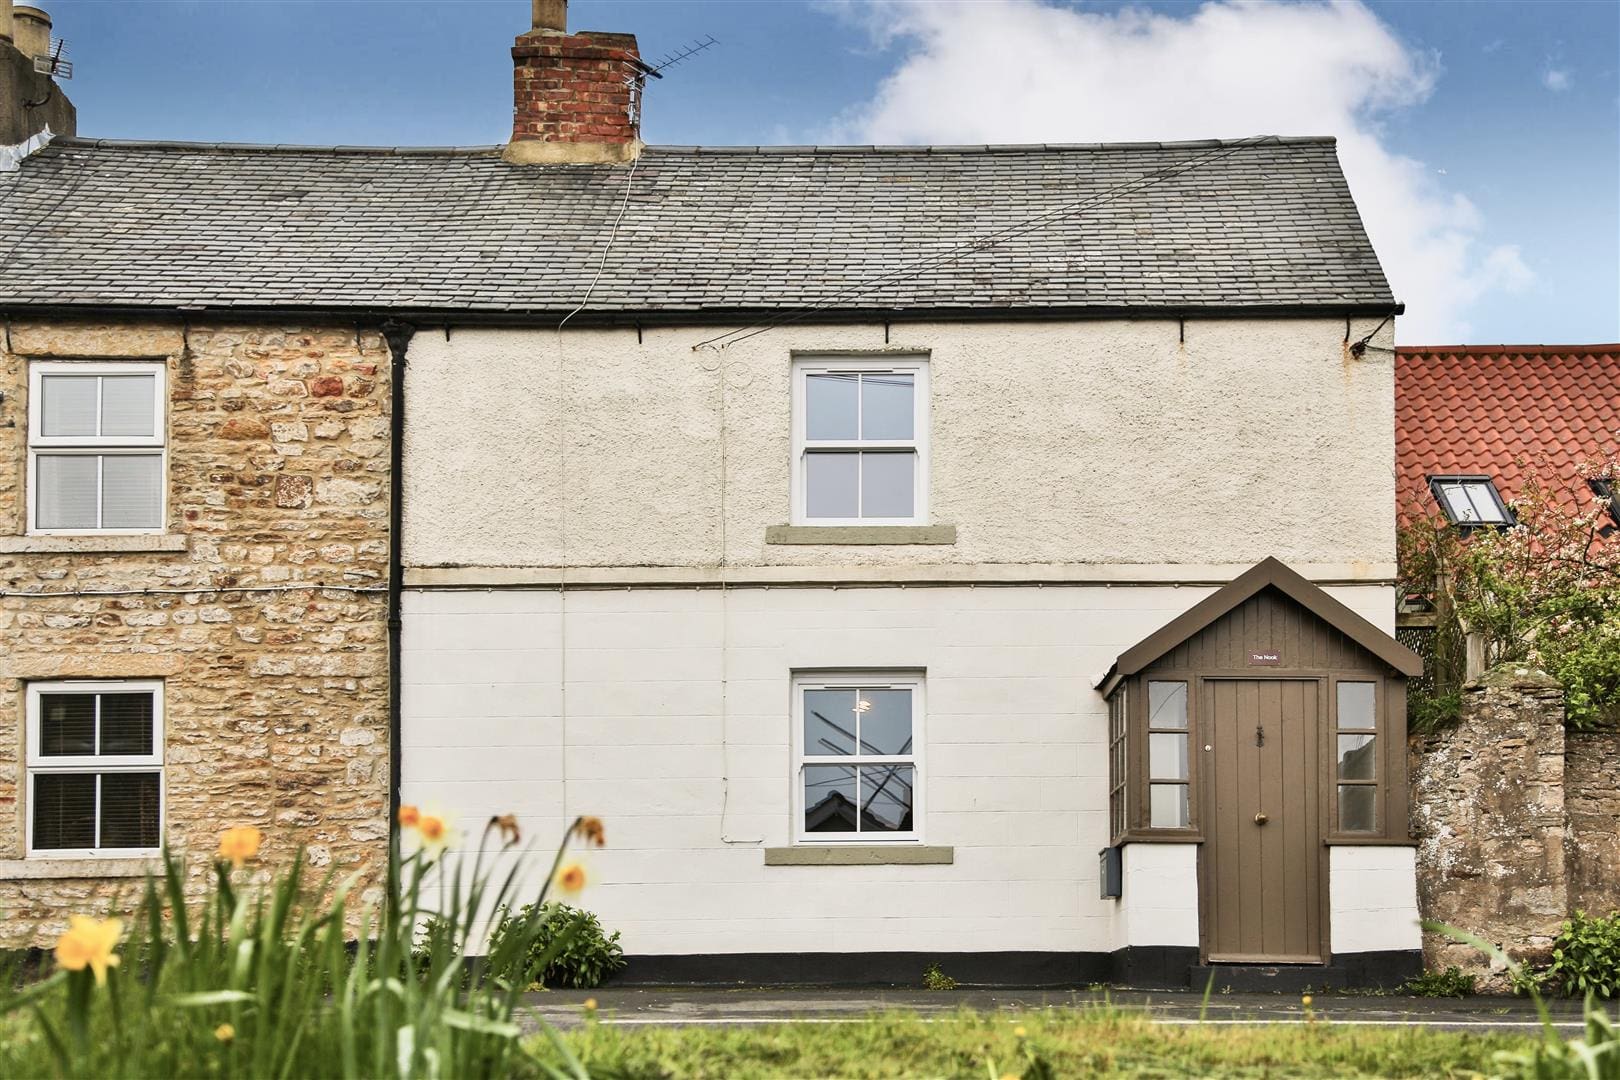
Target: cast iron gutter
[[398, 336], [734, 317]]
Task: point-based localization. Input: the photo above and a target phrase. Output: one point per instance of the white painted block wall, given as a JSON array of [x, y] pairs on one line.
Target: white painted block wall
[[1158, 902], [666, 712], [1372, 895]]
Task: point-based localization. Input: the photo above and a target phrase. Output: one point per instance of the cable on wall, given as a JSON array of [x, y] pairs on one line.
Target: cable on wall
[[1360, 346], [723, 373]]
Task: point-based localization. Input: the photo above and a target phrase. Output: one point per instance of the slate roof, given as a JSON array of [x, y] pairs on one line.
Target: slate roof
[[1492, 409], [704, 229]]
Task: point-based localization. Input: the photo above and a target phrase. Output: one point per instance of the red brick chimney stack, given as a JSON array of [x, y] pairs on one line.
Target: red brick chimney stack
[[574, 95]]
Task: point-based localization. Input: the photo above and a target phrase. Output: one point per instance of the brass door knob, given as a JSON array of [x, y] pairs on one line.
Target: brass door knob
[[1260, 818]]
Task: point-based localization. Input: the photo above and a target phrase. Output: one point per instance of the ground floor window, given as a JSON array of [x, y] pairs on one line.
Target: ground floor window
[[1118, 764], [1169, 777], [858, 774], [95, 768], [1356, 756]]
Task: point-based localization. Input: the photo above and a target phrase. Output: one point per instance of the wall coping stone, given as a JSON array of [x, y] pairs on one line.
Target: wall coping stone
[[93, 545]]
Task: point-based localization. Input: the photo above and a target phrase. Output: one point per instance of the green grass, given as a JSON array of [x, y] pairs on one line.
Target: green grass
[[1054, 1043]]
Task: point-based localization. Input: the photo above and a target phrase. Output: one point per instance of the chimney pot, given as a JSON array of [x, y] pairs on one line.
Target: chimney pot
[[31, 31], [551, 15]]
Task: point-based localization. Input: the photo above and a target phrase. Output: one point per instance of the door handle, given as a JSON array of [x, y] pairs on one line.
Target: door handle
[[1260, 818]]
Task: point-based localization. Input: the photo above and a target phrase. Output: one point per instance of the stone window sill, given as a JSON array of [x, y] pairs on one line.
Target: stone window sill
[[860, 855], [1367, 841], [58, 869], [861, 534], [92, 545]]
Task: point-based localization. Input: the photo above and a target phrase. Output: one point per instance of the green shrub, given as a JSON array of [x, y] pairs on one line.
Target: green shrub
[[570, 948], [1452, 982], [935, 979], [1427, 714], [1586, 957]]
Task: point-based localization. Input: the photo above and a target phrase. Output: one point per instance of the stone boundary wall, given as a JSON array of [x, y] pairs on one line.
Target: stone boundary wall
[[263, 609], [1592, 802], [1517, 821]]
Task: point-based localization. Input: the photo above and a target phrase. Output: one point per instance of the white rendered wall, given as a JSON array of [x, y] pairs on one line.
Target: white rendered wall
[[1373, 899], [636, 703], [1096, 442], [1158, 902]]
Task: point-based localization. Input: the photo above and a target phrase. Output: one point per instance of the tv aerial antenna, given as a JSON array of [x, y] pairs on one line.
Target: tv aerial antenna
[[640, 70], [55, 63], [692, 48]]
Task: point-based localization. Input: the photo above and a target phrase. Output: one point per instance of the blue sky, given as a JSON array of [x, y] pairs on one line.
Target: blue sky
[[1482, 139]]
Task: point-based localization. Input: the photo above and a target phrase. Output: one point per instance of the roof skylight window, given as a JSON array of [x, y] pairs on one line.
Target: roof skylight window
[[1470, 500]]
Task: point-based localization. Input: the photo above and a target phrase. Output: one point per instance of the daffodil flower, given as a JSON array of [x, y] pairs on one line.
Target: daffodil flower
[[89, 943], [571, 879], [240, 844]]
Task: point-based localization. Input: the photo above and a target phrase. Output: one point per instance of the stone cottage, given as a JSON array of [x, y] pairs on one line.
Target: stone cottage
[[193, 562]]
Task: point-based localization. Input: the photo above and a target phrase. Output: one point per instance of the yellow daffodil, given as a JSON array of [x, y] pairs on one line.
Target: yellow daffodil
[[434, 832], [240, 844], [409, 816], [89, 943], [571, 879], [1306, 1001], [225, 1033], [590, 1004], [1019, 1032]]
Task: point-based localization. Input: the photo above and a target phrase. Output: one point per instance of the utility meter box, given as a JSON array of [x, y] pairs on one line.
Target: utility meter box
[[1110, 871]]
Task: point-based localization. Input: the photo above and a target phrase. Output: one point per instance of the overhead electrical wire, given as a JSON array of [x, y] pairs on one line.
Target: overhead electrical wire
[[987, 241]]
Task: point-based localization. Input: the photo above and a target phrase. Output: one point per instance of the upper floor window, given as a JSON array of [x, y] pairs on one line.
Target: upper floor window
[[96, 447], [860, 442], [858, 756], [95, 768], [1470, 500]]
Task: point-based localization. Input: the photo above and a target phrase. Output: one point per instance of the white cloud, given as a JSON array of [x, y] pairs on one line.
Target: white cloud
[[1557, 79], [1026, 71]]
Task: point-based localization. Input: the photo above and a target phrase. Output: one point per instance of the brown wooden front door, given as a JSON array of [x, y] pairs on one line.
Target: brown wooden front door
[[1262, 856]]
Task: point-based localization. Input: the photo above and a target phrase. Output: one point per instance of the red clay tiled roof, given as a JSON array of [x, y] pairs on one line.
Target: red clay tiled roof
[[1486, 408]]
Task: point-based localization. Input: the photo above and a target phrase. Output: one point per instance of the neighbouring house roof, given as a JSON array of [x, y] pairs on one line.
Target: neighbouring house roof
[[1255, 226], [1269, 573], [1492, 410]]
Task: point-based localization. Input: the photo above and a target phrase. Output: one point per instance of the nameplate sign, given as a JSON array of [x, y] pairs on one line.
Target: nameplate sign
[[1264, 659]]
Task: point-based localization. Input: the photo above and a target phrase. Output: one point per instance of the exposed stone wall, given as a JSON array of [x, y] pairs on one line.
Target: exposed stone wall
[[1488, 810], [1592, 800], [268, 628], [1516, 821]]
